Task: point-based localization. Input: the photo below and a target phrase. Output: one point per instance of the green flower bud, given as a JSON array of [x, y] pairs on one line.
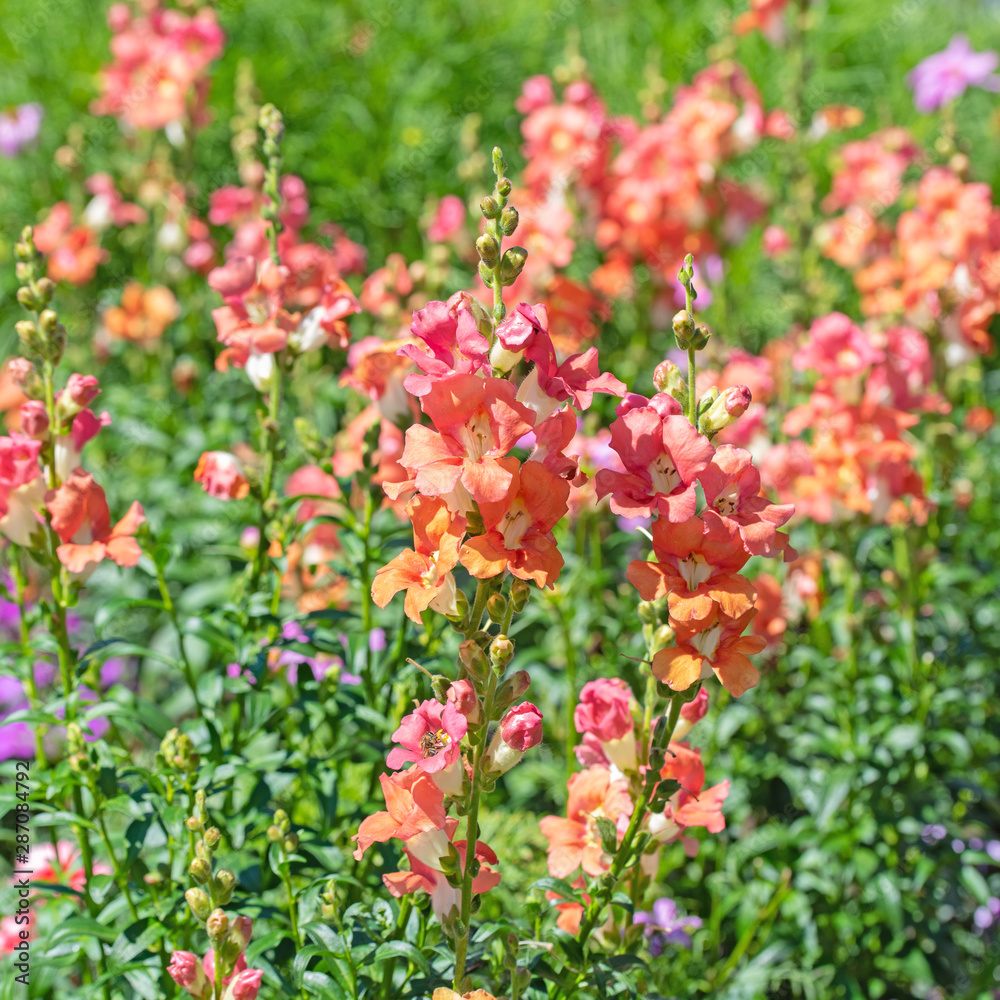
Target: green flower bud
[[501, 653], [508, 220], [473, 659], [684, 329], [223, 886], [212, 838], [273, 834], [199, 902], [520, 591], [496, 608], [490, 207], [281, 820], [217, 925], [512, 264], [290, 843], [488, 248], [200, 870], [503, 187], [702, 334]]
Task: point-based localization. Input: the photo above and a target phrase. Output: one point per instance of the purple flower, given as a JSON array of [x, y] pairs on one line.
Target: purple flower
[[666, 926], [932, 833], [376, 640], [993, 850], [944, 76], [18, 127]]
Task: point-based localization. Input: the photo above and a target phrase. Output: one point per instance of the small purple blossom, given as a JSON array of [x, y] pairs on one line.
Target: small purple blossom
[[376, 640], [19, 127], [993, 850], [958, 845], [932, 833], [946, 75], [666, 926], [986, 916]]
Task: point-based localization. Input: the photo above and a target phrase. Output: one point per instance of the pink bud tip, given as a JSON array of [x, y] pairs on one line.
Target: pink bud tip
[[521, 728], [82, 389]]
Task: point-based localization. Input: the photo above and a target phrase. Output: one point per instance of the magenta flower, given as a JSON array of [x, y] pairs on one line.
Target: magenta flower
[[605, 709], [521, 727], [18, 127], [429, 737], [944, 76]]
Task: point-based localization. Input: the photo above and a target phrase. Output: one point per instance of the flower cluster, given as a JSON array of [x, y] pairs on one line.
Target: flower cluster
[[159, 75]]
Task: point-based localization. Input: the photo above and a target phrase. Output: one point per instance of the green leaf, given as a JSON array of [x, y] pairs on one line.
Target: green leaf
[[402, 949]]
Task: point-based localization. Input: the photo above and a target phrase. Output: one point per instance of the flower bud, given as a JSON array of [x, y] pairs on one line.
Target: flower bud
[[30, 338], [21, 370], [501, 653], [245, 985], [702, 335], [199, 902], [508, 220], [463, 696], [512, 264], [512, 689], [683, 325], [241, 929], [187, 971], [273, 834], [488, 248], [194, 823], [496, 608], [281, 820], [48, 320], [34, 419], [663, 638], [520, 591], [486, 274], [521, 727], [503, 187], [290, 843], [667, 378], [490, 207], [729, 406], [224, 884], [212, 838], [200, 870], [217, 924], [473, 659], [82, 390], [691, 712], [29, 299]]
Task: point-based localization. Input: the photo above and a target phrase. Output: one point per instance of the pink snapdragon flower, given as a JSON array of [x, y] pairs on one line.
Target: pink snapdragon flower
[[836, 347], [521, 727], [605, 709], [449, 218], [429, 737]]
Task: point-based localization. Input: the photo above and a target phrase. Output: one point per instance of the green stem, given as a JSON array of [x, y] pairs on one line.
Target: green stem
[[293, 914], [168, 606], [692, 411], [121, 877], [366, 596], [570, 688], [271, 439], [30, 687]]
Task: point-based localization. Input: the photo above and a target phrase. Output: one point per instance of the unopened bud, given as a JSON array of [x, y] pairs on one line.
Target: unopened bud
[[34, 419], [225, 883], [730, 405], [217, 924], [212, 838], [663, 638], [520, 591], [281, 820], [290, 843], [508, 220], [474, 659], [30, 337], [668, 378], [496, 608], [200, 870], [199, 902], [490, 207], [501, 653], [512, 689], [273, 834], [684, 329], [702, 335], [462, 695], [503, 187], [47, 320], [488, 248], [194, 823], [512, 264]]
